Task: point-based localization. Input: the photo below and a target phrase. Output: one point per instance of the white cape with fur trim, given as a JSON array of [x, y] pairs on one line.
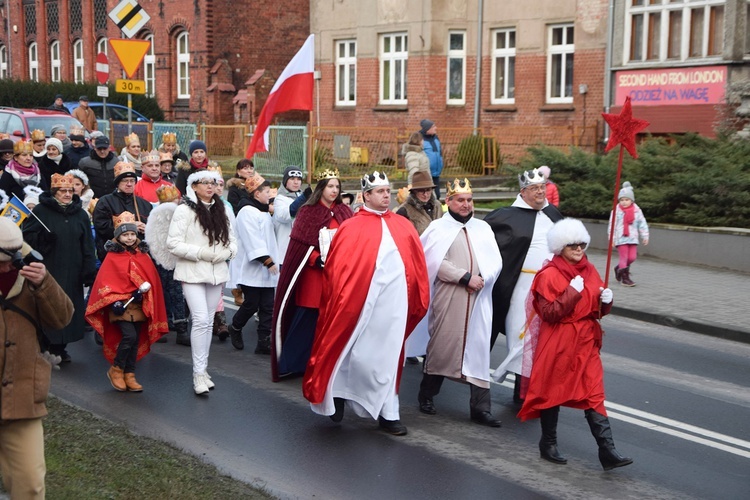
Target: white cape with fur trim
[[436, 240]]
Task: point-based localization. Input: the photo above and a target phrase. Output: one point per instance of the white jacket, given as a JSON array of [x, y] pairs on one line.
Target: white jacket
[[190, 245], [256, 239], [282, 220]]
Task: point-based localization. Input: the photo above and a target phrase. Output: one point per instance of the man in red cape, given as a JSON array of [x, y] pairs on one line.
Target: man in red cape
[[375, 291]]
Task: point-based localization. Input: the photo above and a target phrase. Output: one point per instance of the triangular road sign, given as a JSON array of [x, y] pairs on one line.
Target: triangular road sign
[[130, 53]]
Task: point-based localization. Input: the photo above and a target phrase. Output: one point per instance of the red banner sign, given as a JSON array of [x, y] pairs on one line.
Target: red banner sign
[[671, 86]]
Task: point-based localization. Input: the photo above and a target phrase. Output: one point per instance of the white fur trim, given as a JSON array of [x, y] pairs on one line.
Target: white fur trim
[[3, 199], [565, 232], [78, 174]]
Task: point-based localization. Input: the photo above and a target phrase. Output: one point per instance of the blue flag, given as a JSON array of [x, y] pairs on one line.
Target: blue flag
[[16, 210]]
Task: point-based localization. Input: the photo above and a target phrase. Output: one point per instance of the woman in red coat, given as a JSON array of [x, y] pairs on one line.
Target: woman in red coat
[[566, 339]]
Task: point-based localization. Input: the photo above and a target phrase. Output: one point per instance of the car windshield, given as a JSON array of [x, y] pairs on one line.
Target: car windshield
[[47, 122]]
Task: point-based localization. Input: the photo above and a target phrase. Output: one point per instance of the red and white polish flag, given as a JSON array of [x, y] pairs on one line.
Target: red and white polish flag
[[293, 90]]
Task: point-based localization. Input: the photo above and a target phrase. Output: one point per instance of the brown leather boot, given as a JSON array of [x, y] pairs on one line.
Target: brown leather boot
[[238, 299], [131, 383], [116, 378], [625, 273]]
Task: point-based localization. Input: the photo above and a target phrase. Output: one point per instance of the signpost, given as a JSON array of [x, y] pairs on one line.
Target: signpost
[[102, 74], [130, 86]]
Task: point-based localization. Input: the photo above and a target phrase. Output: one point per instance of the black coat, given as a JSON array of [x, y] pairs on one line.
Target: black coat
[[12, 187], [68, 252], [113, 204], [100, 171], [237, 195], [78, 154], [48, 167]]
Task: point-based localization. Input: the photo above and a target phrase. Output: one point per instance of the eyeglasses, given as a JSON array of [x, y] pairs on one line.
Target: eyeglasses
[[538, 188], [207, 182], [576, 246], [421, 191], [65, 190]]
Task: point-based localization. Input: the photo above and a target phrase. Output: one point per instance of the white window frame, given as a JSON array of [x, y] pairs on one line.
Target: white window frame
[[149, 68], [564, 50], [456, 55], [33, 54], [397, 60], [346, 69], [78, 74], [101, 46], [506, 55], [54, 61], [664, 9], [3, 62], [183, 65]]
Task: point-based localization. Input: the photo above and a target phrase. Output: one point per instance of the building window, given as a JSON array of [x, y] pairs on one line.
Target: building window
[[394, 53], [3, 62], [33, 63], [346, 72], [503, 67], [29, 15], [54, 61], [101, 46], [100, 15], [183, 66], [78, 61], [456, 67], [659, 30], [560, 53], [76, 16], [53, 19], [149, 68]]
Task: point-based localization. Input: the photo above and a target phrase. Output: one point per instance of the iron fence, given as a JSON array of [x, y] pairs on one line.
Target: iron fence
[[185, 132], [287, 146], [225, 140]]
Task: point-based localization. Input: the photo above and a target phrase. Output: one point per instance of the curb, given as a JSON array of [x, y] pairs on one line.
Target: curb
[[712, 330]]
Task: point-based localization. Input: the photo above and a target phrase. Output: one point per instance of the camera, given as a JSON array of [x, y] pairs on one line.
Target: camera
[[19, 261]]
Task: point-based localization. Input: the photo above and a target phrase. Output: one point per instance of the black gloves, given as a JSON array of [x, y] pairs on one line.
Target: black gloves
[[118, 308], [319, 262], [307, 193]]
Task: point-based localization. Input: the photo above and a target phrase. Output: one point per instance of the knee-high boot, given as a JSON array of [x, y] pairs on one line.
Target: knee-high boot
[[548, 443], [602, 432]]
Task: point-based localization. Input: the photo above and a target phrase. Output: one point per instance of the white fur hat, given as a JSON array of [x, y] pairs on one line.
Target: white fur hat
[[78, 174], [545, 171], [198, 176], [565, 232], [32, 195]]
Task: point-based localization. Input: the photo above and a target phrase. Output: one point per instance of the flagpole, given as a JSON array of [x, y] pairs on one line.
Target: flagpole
[[612, 216], [32, 213], [310, 163]]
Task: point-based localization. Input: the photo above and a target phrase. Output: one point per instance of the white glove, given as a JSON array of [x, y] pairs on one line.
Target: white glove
[[53, 359], [222, 255], [205, 253], [577, 283], [606, 296]]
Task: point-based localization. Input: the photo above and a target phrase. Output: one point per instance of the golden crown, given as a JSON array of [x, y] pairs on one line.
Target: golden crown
[[214, 167], [458, 187], [123, 218], [252, 183], [37, 135], [327, 174], [151, 156], [76, 130], [169, 138], [23, 147], [122, 167], [166, 157], [167, 193], [132, 139], [62, 181]]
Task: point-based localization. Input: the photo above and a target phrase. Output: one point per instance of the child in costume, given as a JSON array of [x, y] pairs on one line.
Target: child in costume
[[630, 224], [128, 327]]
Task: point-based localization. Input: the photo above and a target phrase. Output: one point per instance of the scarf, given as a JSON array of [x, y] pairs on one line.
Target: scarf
[[56, 159], [569, 271], [628, 218], [460, 218], [24, 176], [263, 207], [199, 166]]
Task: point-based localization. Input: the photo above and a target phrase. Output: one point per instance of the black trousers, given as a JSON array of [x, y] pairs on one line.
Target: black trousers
[[258, 300], [127, 351], [480, 397]]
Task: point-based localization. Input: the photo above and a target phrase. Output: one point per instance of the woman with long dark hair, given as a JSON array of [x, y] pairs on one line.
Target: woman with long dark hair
[[201, 238], [297, 300]]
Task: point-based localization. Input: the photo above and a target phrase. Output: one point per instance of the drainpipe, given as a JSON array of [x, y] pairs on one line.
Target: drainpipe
[[478, 75], [608, 65]]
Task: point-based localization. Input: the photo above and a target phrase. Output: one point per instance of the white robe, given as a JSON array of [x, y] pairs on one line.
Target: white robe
[[255, 238]]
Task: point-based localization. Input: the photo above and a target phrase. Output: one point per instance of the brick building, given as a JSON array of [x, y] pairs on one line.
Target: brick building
[[202, 53]]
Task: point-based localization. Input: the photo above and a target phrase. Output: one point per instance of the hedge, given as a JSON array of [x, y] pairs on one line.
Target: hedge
[[686, 179], [27, 94]]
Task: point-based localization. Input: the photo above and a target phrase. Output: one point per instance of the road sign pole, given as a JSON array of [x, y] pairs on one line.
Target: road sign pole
[[130, 114]]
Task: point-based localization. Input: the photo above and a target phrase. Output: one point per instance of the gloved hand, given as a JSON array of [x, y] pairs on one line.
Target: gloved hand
[[606, 296], [577, 283], [319, 262], [52, 359], [118, 308], [307, 192], [222, 255], [206, 254], [137, 296]]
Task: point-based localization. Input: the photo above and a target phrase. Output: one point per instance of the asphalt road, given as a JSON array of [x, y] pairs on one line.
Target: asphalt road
[[679, 405]]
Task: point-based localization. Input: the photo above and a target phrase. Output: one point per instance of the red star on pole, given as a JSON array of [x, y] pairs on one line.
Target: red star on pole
[[623, 128]]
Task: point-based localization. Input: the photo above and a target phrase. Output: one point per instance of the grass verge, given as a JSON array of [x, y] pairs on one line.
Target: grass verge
[[89, 457]]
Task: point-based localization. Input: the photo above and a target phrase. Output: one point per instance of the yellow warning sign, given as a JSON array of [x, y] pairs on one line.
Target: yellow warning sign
[[130, 53], [130, 86], [129, 17]]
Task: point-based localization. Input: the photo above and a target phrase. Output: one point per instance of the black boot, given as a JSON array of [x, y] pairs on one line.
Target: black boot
[[183, 336], [264, 345], [236, 336], [602, 432], [625, 275], [517, 391], [548, 443], [220, 325], [618, 274]]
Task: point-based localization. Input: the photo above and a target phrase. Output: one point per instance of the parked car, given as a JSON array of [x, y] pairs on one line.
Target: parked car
[[115, 112], [18, 123]]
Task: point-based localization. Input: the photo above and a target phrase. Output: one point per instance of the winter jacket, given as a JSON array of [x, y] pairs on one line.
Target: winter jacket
[[47, 167], [639, 227], [416, 160], [77, 154], [283, 220], [86, 117], [25, 373], [236, 192], [100, 171], [188, 242], [434, 151], [113, 204]]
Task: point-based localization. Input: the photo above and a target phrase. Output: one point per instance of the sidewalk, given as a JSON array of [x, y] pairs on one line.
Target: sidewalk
[[698, 299]]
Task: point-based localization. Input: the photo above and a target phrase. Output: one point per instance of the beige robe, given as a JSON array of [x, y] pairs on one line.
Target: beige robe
[[451, 309]]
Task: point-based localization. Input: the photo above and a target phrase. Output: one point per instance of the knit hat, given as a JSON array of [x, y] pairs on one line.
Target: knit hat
[[59, 96], [426, 125], [6, 146], [32, 195], [545, 171], [101, 142], [94, 134], [289, 172], [124, 222], [57, 128], [11, 238], [566, 232], [78, 174], [626, 191], [197, 145], [54, 141], [123, 170]]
